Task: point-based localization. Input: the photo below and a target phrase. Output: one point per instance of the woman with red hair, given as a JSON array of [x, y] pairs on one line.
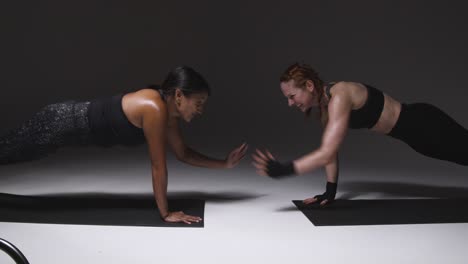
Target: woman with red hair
[[344, 105]]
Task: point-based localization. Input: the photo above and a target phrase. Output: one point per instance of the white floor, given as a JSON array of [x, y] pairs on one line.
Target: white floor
[[248, 218]]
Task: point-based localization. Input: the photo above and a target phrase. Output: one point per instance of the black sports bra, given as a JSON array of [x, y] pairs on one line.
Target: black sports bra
[[368, 115], [109, 125]]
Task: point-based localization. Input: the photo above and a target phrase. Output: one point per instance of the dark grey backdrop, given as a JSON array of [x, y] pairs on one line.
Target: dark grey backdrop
[[412, 50]]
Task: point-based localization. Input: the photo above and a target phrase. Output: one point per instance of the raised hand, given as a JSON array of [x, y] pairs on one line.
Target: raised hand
[[267, 165], [236, 155]]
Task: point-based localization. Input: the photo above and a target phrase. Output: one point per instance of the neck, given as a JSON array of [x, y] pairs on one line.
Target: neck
[[171, 107], [325, 97]]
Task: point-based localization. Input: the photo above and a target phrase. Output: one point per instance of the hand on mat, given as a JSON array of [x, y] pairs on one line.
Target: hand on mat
[[236, 155], [327, 197], [317, 199], [177, 217]]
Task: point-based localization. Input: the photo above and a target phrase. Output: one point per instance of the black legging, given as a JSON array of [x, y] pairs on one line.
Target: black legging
[[53, 126], [431, 132]]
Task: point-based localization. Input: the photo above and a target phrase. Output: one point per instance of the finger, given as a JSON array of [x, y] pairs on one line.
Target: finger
[[187, 222], [240, 155], [239, 148], [195, 219], [193, 216], [237, 155], [243, 146], [244, 150], [246, 146], [259, 160], [269, 155], [258, 166], [256, 157], [189, 218], [309, 200], [324, 202], [262, 173], [259, 153]]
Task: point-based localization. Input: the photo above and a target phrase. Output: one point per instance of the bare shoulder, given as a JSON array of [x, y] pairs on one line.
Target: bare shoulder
[[341, 91], [349, 92], [144, 102], [346, 87], [146, 99], [148, 94]]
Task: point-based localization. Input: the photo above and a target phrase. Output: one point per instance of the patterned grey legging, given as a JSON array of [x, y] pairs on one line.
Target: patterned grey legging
[[54, 126]]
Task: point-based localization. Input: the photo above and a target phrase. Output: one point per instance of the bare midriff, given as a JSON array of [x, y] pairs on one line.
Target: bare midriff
[[389, 116]]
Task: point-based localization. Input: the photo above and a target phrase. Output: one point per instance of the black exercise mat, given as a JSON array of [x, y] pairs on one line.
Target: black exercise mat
[[95, 209], [387, 212]]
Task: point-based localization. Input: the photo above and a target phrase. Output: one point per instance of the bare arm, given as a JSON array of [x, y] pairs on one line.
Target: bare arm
[[339, 110], [197, 159], [332, 168], [187, 154], [332, 171], [154, 123]]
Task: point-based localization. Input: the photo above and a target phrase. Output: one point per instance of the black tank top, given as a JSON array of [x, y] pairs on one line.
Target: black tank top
[[368, 115], [109, 125]]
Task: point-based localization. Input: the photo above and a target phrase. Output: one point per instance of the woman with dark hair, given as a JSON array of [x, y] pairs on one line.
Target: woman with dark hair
[[342, 105], [148, 115]]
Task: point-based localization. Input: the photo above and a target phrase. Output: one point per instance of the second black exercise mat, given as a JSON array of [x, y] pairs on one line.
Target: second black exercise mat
[[94, 209], [387, 212]]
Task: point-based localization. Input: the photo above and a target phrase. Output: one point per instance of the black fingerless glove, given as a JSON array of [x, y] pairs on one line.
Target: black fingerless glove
[[329, 193], [277, 170]]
